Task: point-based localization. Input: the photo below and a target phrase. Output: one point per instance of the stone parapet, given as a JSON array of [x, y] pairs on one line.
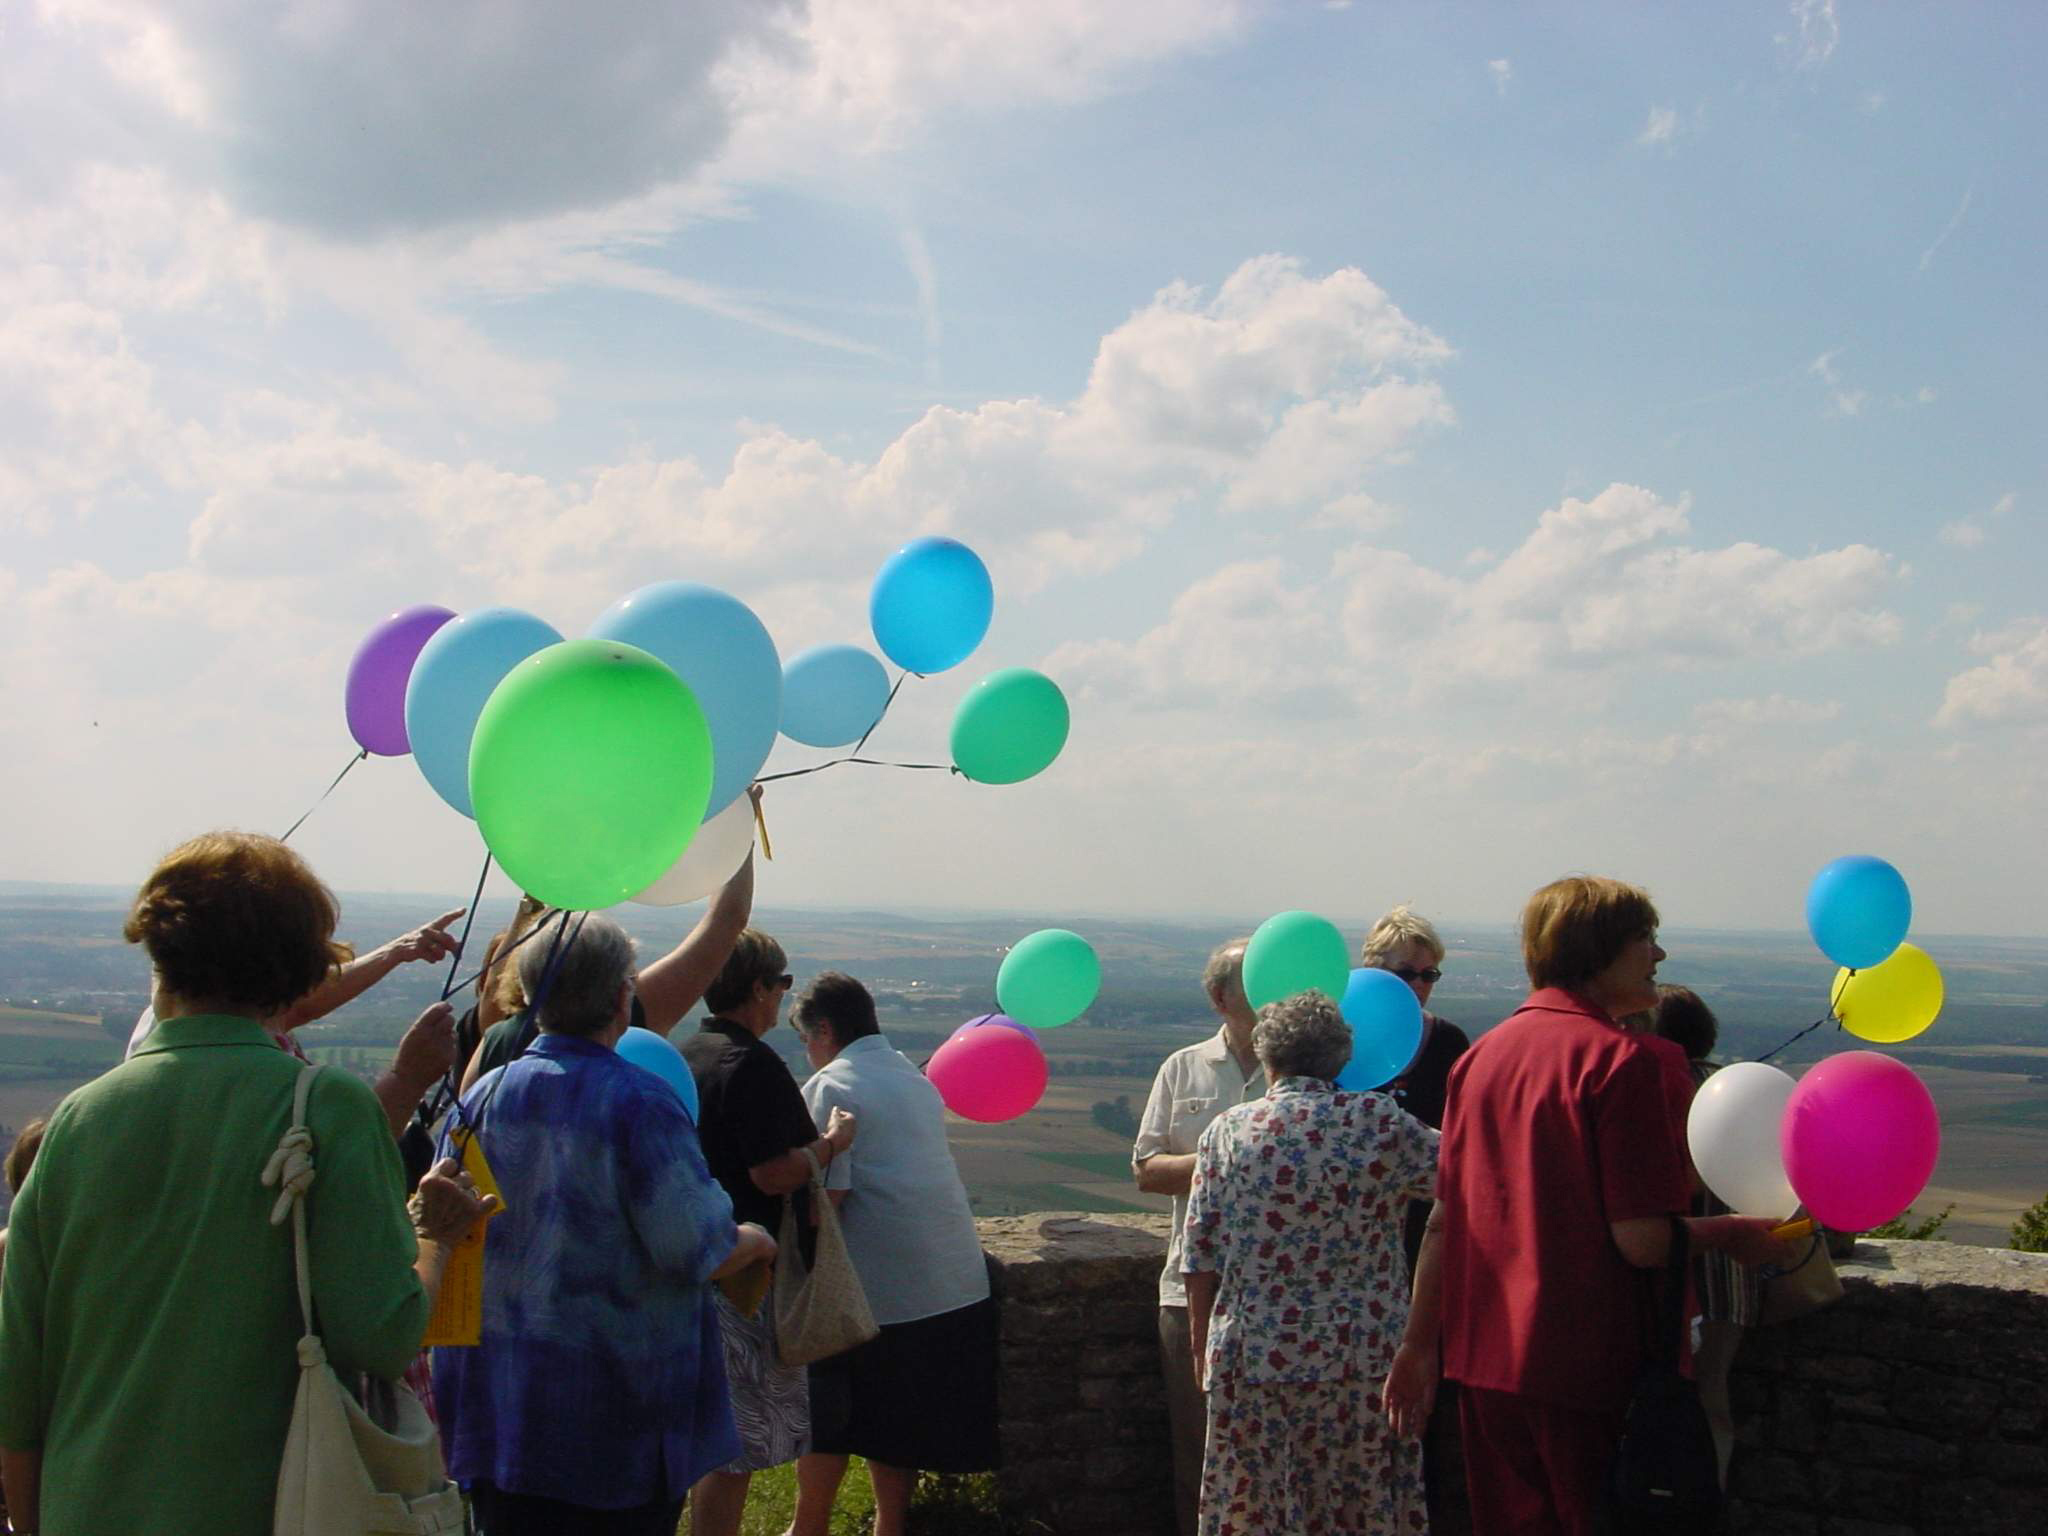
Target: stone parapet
[[1916, 1405]]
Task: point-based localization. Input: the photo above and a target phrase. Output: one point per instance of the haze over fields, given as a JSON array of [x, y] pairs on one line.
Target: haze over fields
[[63, 969]]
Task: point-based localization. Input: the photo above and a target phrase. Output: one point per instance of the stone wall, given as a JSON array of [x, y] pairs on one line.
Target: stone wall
[[1916, 1405]]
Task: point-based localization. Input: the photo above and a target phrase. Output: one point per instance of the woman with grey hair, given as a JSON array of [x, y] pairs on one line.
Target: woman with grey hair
[[596, 1395], [1297, 1291]]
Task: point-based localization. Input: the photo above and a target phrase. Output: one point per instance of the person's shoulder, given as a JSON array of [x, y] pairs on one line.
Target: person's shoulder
[[335, 1092], [1188, 1058]]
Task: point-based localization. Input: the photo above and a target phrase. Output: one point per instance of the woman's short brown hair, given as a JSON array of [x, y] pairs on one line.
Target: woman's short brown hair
[[755, 957], [1683, 1018], [239, 920], [1574, 928]]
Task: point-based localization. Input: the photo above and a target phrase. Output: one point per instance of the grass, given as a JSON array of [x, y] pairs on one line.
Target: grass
[[1104, 1165], [942, 1505]]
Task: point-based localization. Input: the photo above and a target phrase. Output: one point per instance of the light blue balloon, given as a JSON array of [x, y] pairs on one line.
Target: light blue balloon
[[713, 642], [931, 605], [1386, 1029], [658, 1054], [457, 669], [832, 695], [1858, 909]]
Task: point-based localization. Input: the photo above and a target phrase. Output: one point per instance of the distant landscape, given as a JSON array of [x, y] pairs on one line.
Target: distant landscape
[[70, 990]]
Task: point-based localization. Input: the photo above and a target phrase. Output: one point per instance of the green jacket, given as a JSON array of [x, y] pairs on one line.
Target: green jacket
[[148, 1313]]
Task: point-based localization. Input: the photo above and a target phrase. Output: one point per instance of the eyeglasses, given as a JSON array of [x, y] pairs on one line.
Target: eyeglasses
[[1406, 973]]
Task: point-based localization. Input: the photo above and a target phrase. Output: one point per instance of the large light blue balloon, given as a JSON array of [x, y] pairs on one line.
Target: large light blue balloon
[[453, 677], [1858, 909], [931, 605], [713, 642], [658, 1054], [832, 695], [1386, 1029]]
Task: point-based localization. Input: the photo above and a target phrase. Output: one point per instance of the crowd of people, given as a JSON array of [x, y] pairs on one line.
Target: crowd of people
[[1344, 1268], [1482, 1241]]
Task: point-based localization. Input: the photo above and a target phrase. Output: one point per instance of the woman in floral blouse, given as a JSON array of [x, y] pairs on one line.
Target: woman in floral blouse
[[1296, 1291]]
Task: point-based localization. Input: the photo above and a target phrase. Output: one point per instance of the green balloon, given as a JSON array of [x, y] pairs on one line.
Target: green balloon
[[1009, 726], [590, 771], [1292, 953], [1048, 979]]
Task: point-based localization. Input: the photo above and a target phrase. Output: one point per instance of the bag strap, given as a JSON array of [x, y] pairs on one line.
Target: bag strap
[[1667, 1310], [817, 1168], [290, 1172]]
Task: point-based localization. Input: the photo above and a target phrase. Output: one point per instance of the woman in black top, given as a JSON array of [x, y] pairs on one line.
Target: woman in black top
[[755, 1130]]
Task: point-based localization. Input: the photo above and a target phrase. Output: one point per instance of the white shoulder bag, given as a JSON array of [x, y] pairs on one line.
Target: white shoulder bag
[[344, 1473]]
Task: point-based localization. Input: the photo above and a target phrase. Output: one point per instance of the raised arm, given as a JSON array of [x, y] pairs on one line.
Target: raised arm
[[430, 941], [671, 986]]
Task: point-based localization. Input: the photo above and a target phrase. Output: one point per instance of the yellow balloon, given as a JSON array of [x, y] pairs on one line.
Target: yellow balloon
[[1890, 1002]]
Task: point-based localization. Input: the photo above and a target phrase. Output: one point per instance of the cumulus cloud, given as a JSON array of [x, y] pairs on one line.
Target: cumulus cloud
[[1774, 709], [1598, 586], [1971, 532], [2011, 688]]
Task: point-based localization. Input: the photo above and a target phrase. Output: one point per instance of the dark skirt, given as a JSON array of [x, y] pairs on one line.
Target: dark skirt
[[919, 1395]]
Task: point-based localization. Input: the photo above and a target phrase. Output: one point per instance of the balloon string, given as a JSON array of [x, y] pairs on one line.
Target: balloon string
[[864, 735], [540, 921], [1816, 1024], [871, 762], [288, 831], [455, 960]]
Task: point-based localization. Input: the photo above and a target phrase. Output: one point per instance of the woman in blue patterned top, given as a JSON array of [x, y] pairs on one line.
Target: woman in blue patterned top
[[597, 1395]]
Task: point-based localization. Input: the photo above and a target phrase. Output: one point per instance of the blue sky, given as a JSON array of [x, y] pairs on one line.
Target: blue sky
[[1436, 447]]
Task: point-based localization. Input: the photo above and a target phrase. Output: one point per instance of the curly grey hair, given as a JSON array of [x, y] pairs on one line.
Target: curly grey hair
[[582, 997], [1302, 1036]]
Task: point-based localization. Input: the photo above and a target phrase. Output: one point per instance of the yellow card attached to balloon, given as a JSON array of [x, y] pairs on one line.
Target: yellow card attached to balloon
[[458, 1318]]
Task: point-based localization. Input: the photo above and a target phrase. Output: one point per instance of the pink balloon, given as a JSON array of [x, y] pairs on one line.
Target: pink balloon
[[988, 1018], [1859, 1139], [378, 675], [989, 1075]]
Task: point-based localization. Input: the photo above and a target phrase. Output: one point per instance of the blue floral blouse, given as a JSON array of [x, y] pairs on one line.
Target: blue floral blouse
[[1297, 1205], [600, 1379]]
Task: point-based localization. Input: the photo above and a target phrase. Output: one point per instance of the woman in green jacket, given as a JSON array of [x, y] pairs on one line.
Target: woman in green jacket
[[148, 1314]]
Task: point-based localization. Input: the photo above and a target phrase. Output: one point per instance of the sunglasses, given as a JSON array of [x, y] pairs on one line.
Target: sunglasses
[[785, 981], [1432, 975]]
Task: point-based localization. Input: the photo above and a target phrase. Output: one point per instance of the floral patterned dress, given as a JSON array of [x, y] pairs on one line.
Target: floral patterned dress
[[1297, 1205]]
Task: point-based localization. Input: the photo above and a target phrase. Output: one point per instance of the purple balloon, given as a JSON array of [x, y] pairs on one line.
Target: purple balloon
[[379, 673], [988, 1018]]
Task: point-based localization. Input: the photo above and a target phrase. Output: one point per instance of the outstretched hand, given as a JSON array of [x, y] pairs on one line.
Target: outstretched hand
[[429, 941], [427, 1050]]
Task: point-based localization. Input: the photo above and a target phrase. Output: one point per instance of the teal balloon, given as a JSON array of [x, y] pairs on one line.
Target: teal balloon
[[1049, 979], [1009, 726], [658, 1054], [451, 682], [1296, 952], [589, 770], [715, 644]]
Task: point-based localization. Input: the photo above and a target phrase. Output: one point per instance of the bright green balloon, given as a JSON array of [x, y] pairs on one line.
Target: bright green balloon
[[1009, 726], [1296, 952], [590, 771], [1048, 979]]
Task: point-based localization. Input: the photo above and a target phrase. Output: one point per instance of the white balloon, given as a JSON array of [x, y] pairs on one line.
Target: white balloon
[[1733, 1133], [720, 847]]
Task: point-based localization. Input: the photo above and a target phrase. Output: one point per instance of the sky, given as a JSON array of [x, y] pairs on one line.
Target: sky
[[1435, 448]]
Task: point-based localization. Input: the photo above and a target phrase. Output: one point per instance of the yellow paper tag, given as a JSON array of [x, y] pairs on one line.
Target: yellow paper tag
[[458, 1318]]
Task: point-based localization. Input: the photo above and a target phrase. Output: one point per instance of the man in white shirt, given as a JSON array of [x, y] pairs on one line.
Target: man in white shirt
[[1194, 1086]]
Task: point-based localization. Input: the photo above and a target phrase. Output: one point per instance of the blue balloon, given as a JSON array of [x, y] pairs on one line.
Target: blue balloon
[[832, 695], [658, 1054], [457, 669], [1858, 910], [931, 605], [1386, 1029], [713, 642]]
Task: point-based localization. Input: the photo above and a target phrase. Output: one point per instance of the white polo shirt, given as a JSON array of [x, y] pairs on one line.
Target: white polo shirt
[[1195, 1085], [909, 1229]]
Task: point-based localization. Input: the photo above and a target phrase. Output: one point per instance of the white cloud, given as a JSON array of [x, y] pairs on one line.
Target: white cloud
[[1842, 400], [1971, 532], [1817, 33], [1660, 129], [1502, 73], [2011, 688], [1597, 587]]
